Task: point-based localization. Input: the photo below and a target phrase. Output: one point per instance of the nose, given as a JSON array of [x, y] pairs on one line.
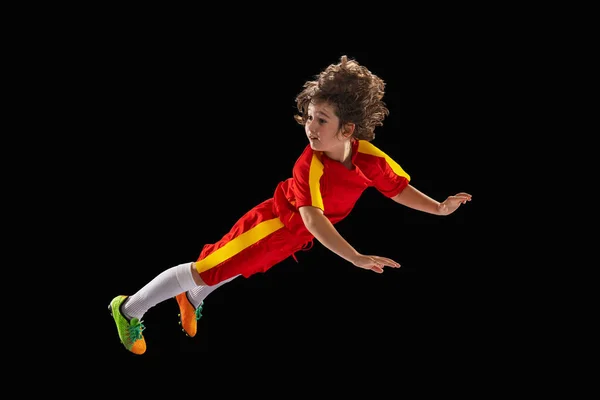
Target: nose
[[311, 126]]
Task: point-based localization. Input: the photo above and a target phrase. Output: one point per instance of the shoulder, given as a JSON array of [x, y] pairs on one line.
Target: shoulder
[[368, 148], [368, 155], [371, 157]]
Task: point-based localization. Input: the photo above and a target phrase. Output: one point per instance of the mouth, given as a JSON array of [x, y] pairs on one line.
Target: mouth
[[313, 138]]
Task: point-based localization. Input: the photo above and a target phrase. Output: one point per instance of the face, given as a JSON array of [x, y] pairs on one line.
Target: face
[[322, 127]]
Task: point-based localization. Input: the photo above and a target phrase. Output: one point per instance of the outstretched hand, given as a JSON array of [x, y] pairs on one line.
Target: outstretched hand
[[452, 203], [374, 263]]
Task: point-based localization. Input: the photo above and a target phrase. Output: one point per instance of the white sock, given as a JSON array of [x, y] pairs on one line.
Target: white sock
[[167, 284], [197, 295]]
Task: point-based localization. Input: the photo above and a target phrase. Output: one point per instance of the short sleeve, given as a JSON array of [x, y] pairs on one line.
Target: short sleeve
[[307, 174], [387, 175]]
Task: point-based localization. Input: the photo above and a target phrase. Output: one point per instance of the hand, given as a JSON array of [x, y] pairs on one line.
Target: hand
[[374, 263], [452, 203]]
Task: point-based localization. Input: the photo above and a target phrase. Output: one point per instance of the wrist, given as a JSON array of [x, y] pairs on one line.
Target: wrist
[[352, 257], [442, 209]]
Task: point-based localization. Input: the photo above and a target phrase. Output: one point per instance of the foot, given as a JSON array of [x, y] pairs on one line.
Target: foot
[[188, 315], [130, 332]]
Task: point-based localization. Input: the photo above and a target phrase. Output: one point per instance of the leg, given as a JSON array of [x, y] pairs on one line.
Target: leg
[[196, 276], [129, 310], [254, 244], [190, 305]]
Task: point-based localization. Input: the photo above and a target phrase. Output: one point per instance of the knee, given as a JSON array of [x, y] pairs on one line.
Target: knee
[[196, 275]]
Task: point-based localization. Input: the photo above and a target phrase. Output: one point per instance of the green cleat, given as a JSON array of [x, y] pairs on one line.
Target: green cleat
[[130, 332]]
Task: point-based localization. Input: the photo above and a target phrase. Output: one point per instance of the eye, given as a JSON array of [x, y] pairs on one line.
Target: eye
[[321, 120]]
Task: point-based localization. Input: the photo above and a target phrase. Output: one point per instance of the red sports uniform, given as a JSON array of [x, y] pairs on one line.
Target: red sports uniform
[[273, 230]]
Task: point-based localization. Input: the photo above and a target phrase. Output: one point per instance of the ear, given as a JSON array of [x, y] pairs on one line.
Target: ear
[[348, 129]]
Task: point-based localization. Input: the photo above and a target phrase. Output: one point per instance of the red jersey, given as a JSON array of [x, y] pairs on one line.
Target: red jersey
[[321, 182], [273, 230]]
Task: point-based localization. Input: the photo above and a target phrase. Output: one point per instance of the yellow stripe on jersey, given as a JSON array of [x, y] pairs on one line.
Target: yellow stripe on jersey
[[369, 148], [314, 176], [238, 244]]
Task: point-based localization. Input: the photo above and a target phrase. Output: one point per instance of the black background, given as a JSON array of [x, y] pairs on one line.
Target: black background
[[190, 134]]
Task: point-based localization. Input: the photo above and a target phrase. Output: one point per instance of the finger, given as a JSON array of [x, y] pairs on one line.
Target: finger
[[389, 262], [377, 268], [392, 264]]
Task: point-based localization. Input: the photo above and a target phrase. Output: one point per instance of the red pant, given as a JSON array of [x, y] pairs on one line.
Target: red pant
[[255, 243]]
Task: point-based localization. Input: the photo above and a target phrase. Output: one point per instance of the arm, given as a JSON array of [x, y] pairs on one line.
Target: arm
[[413, 198], [324, 231]]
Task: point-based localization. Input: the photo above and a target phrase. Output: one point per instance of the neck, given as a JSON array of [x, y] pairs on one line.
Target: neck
[[342, 154]]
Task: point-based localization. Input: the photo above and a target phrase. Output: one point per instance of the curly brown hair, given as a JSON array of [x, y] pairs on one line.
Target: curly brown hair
[[354, 92]]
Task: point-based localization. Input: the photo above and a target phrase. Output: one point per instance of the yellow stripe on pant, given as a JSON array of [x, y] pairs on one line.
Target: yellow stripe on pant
[[238, 244]]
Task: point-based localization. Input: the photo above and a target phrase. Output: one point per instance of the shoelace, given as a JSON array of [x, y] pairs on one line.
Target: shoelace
[[135, 331], [199, 311]]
